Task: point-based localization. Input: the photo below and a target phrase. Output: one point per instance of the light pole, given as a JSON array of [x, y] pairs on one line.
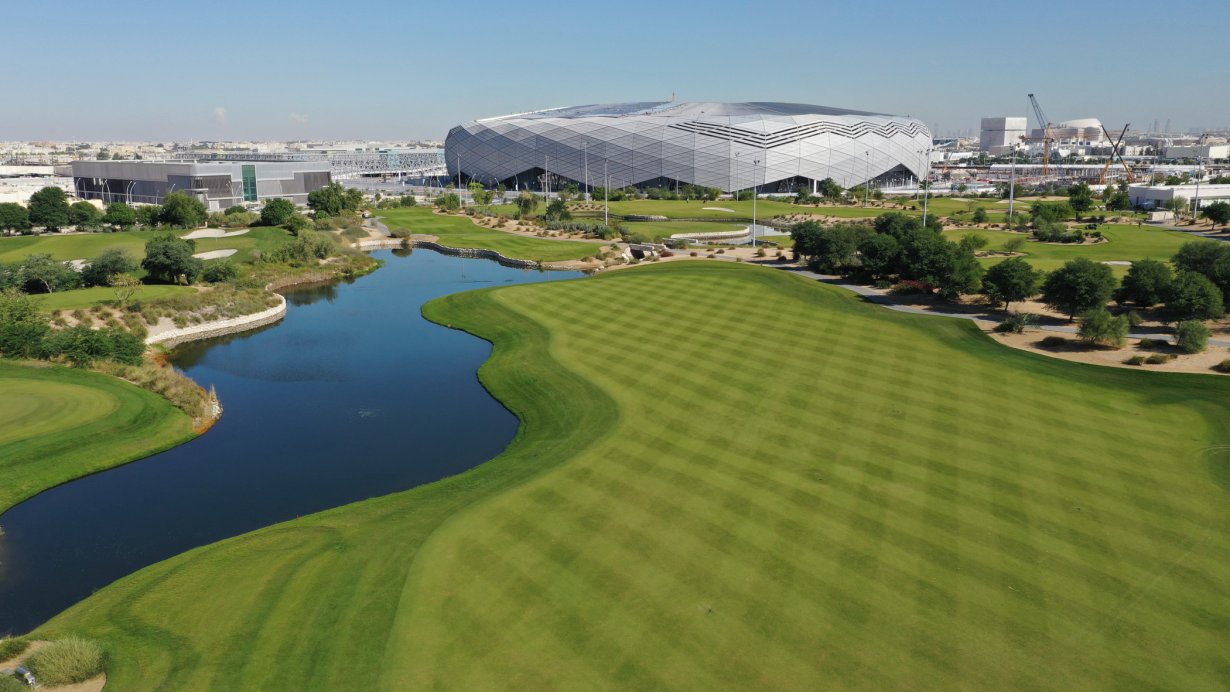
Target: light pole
[[546, 190], [867, 181], [1011, 186], [585, 149], [755, 163], [606, 195], [1196, 200], [926, 185]]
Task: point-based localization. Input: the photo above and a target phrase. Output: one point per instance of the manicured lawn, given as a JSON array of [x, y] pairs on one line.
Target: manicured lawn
[[460, 231], [658, 230], [88, 245], [59, 423], [928, 510], [88, 297], [1125, 242]]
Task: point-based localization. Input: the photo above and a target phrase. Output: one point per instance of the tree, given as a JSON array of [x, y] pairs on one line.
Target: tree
[[22, 326], [120, 214], [1218, 213], [169, 259], [1208, 257], [182, 210], [449, 201], [880, 254], [829, 189], [278, 211], [84, 215], [13, 217], [1193, 296], [108, 263], [42, 274], [1176, 204], [125, 286], [1078, 286], [1099, 327], [527, 202], [1050, 212], [973, 242], [481, 195], [980, 215], [221, 271], [333, 199], [149, 215], [296, 224], [1117, 200], [557, 210], [1192, 336], [49, 208], [1147, 283], [1080, 197], [1011, 281]]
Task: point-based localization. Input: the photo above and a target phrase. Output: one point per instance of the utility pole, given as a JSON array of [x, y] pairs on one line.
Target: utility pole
[[755, 194], [867, 182], [606, 195], [1011, 186], [585, 149], [926, 186]]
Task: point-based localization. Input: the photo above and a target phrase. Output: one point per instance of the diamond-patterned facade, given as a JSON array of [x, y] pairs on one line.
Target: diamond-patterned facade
[[732, 146]]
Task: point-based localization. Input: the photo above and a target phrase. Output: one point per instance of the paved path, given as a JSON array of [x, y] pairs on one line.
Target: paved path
[[879, 297]]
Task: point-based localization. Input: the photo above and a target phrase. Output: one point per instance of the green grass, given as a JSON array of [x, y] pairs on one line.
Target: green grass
[[659, 230], [66, 662], [1125, 242], [89, 297], [88, 245], [58, 423], [928, 509], [460, 231]]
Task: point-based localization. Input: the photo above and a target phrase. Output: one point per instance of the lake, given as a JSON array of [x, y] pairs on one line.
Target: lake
[[353, 395]]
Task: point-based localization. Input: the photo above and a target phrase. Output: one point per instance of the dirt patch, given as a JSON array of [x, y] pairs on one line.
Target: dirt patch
[[1075, 351]]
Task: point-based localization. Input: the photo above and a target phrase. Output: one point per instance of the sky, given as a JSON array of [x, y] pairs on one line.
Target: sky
[[123, 70]]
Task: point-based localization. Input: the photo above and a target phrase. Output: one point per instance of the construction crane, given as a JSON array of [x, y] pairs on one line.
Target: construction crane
[[1114, 151], [1045, 126]]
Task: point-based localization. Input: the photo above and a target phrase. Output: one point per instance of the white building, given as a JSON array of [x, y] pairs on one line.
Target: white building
[[1001, 134], [1198, 151], [1156, 196]]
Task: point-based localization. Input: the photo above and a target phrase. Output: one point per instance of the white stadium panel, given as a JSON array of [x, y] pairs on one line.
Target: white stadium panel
[[732, 146]]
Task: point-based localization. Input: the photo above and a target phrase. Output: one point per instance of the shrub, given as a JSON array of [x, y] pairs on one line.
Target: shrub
[[13, 646], [221, 271], [1099, 327], [1135, 360], [1154, 343], [1016, 323], [1192, 336], [1223, 366], [8, 683], [1052, 342], [66, 661], [1159, 358]]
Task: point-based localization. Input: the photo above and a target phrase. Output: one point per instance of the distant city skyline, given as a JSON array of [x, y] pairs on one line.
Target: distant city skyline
[[389, 71]]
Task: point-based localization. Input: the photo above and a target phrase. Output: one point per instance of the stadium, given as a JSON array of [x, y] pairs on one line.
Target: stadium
[[773, 147]]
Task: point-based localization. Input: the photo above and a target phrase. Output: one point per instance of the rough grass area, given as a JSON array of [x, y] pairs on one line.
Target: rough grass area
[[1125, 242], [59, 423], [895, 501], [87, 245], [83, 298], [12, 646], [460, 231], [66, 661]]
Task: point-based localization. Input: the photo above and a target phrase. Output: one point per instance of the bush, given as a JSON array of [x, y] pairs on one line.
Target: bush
[[66, 661], [1135, 360], [1098, 327], [1154, 343], [8, 683], [1053, 342], [1192, 336], [1016, 323], [1159, 358], [13, 646], [1223, 366], [221, 271]]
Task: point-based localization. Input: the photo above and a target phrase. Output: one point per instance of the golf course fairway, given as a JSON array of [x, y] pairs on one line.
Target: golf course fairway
[[59, 423], [894, 501]]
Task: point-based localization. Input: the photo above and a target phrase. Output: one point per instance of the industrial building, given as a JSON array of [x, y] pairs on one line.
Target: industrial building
[[216, 183], [772, 147], [1197, 196], [1203, 152], [999, 135]]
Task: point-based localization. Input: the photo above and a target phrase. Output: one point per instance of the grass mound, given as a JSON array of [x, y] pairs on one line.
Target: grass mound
[[889, 501], [462, 232], [66, 661], [13, 646]]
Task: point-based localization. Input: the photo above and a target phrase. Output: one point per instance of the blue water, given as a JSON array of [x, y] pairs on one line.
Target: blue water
[[353, 395]]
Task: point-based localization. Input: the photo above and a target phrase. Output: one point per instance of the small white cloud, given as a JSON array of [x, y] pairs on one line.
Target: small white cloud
[[299, 117], [219, 114]]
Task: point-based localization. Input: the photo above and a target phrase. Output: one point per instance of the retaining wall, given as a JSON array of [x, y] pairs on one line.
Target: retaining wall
[[208, 330], [476, 252]]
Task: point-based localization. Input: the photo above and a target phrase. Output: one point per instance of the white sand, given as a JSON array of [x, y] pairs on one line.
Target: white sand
[[718, 209], [215, 254], [214, 233]]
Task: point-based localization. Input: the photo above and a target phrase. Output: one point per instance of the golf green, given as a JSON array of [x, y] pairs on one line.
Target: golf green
[[461, 232], [58, 423], [895, 501]]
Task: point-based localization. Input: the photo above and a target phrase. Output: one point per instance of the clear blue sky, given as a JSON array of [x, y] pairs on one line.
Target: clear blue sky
[[126, 70]]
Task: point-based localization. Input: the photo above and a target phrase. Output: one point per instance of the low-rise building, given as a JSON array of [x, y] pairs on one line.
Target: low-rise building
[[219, 184], [1197, 196]]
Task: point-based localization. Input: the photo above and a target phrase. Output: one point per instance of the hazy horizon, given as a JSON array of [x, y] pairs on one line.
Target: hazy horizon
[[384, 71]]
